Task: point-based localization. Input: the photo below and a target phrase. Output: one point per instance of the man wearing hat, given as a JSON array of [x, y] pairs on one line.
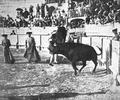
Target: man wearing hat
[[8, 57], [116, 36], [31, 53]]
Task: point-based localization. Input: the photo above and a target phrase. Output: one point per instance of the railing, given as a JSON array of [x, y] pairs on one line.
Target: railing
[[19, 40]]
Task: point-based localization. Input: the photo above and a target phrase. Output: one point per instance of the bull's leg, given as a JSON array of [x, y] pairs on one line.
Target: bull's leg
[[84, 64], [95, 62], [74, 67]]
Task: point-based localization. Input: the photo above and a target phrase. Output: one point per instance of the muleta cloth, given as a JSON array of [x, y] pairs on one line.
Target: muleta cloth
[[115, 29], [28, 32], [4, 35]]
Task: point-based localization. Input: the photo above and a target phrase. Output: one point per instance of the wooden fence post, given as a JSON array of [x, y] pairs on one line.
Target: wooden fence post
[[40, 42], [17, 44], [79, 40], [110, 52], [90, 41], [119, 61], [102, 47]]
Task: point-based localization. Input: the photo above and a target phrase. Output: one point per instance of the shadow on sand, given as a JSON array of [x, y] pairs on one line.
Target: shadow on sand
[[101, 73], [50, 96], [19, 87]]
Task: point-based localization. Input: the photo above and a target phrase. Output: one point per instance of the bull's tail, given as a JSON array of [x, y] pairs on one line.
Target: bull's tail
[[100, 50]]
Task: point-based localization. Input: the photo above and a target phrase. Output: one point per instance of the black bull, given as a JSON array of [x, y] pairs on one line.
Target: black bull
[[77, 52]]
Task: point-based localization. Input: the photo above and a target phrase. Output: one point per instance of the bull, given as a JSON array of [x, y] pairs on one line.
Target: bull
[[75, 52]]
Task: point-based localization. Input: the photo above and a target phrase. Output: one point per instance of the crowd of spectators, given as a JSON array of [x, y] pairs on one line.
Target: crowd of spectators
[[98, 12], [40, 16]]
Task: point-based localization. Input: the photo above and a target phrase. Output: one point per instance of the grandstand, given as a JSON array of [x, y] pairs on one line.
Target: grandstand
[[9, 6]]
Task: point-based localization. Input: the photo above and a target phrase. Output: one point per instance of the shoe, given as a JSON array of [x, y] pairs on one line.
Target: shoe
[[56, 62], [51, 64]]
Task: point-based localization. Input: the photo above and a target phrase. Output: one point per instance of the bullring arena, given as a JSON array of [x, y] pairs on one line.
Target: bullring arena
[[24, 81], [40, 81]]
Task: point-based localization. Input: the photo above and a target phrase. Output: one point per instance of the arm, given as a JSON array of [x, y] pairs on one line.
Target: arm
[[9, 43], [33, 42], [26, 44]]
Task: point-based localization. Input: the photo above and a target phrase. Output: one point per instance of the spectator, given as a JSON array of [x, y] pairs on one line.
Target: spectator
[[48, 21], [88, 19], [71, 37], [10, 21], [37, 10], [31, 18], [42, 11], [25, 13], [13, 33], [46, 9], [59, 17], [116, 35], [63, 14], [31, 9]]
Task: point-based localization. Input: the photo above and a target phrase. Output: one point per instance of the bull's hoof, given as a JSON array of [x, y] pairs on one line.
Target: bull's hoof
[[80, 71], [75, 73], [77, 69], [51, 64], [93, 72]]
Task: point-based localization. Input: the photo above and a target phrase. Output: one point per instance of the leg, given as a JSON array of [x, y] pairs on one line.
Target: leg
[[51, 59], [95, 62], [55, 58], [74, 67], [84, 64]]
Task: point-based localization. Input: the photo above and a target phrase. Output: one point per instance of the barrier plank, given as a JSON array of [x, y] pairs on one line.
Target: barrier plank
[[96, 41], [22, 39], [106, 54], [115, 59], [22, 30], [1, 39], [86, 40], [106, 50], [45, 41], [13, 39], [115, 53]]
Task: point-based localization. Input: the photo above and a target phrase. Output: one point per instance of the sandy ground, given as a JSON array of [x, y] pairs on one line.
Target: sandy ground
[[24, 81]]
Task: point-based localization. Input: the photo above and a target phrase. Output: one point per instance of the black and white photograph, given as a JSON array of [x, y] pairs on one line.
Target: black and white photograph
[[59, 49]]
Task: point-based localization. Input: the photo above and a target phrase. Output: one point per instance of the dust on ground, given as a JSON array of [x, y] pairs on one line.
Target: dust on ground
[[24, 81]]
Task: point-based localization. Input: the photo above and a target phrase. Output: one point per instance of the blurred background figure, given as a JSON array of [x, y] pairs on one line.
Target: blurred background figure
[[116, 35], [13, 33], [37, 11]]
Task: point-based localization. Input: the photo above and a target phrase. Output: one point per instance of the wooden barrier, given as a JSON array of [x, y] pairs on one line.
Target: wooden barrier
[[106, 54], [115, 57], [86, 40], [19, 40]]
